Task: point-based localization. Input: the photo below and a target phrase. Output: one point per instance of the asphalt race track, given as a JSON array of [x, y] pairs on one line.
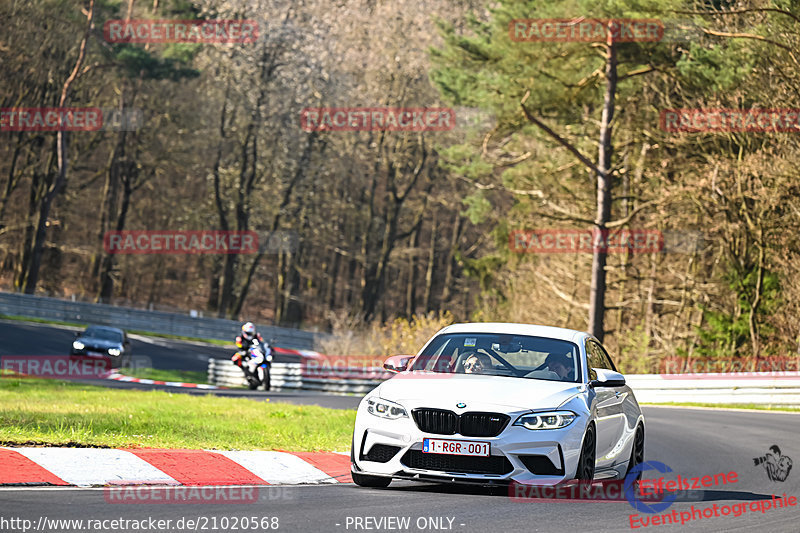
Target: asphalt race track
[[692, 442], [25, 338]]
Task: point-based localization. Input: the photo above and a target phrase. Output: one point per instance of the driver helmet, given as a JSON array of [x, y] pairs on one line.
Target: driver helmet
[[248, 331]]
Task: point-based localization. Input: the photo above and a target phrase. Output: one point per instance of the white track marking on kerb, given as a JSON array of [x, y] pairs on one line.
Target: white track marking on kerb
[[278, 467], [93, 466]]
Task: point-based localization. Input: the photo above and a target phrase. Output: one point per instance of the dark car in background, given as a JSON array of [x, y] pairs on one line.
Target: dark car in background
[[103, 342]]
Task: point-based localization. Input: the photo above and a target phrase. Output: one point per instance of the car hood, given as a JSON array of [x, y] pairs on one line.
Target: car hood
[[478, 392], [99, 343]]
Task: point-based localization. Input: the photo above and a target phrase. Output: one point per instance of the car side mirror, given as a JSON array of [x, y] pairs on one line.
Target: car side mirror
[[397, 363], [607, 378]]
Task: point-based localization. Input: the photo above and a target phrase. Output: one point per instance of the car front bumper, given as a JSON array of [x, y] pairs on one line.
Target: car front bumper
[[393, 448]]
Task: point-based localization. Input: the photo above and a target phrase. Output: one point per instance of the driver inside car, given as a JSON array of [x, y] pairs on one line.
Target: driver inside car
[[477, 363], [561, 364]]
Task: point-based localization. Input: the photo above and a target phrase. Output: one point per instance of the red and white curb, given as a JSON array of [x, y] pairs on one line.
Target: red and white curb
[[86, 467]]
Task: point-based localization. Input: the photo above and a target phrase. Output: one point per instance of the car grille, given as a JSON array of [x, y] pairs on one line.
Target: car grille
[[381, 453], [474, 424], [482, 424], [494, 464], [436, 421]]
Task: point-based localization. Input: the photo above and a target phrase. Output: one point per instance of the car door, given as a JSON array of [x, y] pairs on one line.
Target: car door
[[610, 415]]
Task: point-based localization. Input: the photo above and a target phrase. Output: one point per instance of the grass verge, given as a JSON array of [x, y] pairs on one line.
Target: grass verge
[[750, 406], [50, 412]]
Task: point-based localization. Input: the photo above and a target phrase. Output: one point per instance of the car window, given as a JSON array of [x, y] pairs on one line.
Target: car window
[[501, 355], [598, 357], [104, 334], [606, 358]]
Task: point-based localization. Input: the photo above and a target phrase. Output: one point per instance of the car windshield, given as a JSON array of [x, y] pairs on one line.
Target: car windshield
[[501, 355], [104, 334]]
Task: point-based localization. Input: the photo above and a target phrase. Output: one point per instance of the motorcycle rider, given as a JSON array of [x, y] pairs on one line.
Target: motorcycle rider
[[249, 337]]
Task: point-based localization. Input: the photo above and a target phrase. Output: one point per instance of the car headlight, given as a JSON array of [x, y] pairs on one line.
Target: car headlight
[[78, 345], [548, 420], [114, 351], [385, 408]]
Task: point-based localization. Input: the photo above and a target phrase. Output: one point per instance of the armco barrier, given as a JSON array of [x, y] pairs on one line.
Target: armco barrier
[[762, 388], [285, 376], [26, 305]]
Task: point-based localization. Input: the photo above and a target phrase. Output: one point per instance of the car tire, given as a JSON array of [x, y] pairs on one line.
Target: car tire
[[637, 451], [364, 480], [586, 462]]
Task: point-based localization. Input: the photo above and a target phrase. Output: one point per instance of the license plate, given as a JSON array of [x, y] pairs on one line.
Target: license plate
[[95, 354], [456, 447]]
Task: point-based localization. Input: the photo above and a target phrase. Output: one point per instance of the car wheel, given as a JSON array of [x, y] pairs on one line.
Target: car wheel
[[585, 470], [637, 453], [363, 480]]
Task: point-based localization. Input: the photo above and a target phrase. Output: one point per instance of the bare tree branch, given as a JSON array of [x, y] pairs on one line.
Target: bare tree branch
[[558, 138]]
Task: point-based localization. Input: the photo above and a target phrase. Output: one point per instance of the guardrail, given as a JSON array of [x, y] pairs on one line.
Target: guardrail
[[283, 376], [26, 305], [760, 388]]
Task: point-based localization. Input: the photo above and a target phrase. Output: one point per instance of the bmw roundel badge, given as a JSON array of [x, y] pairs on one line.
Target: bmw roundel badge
[[461, 405]]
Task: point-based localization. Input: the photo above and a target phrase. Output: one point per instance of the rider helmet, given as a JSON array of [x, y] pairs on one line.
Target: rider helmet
[[248, 331]]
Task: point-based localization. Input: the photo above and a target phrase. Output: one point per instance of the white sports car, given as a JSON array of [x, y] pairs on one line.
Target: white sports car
[[494, 403]]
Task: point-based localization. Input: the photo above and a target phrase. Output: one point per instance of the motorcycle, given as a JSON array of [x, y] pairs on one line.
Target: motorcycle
[[255, 362]]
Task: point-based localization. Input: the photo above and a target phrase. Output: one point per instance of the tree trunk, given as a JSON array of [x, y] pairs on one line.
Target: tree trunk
[[431, 263], [448, 271], [106, 274], [597, 297], [61, 177], [411, 278]]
